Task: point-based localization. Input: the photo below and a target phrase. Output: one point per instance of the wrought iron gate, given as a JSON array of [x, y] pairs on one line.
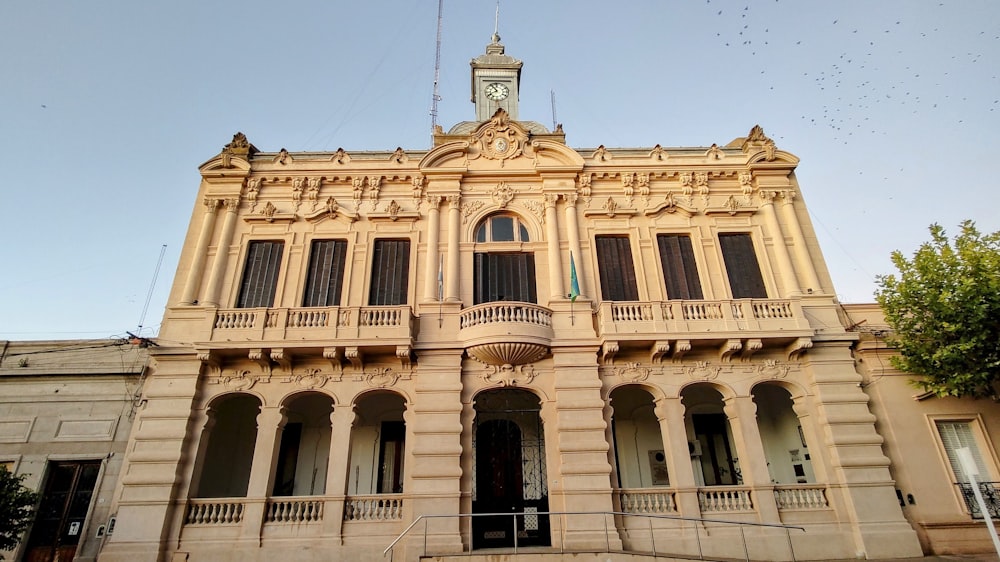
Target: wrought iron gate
[[509, 470]]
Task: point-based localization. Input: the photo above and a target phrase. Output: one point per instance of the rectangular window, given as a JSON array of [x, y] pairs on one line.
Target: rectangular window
[[326, 273], [680, 273], [741, 264], [260, 275], [504, 277], [617, 272], [390, 273], [954, 436]]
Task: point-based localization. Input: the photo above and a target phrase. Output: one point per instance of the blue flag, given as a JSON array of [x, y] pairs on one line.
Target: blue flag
[[574, 283]]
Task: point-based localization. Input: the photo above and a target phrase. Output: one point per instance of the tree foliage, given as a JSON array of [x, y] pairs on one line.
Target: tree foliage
[[16, 508], [944, 307]]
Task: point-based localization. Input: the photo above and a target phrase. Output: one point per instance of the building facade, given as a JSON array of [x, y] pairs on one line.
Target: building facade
[[65, 415], [922, 435], [504, 324]]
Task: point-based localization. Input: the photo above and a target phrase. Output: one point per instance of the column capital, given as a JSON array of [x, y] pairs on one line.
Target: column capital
[[434, 201], [232, 204], [454, 202]]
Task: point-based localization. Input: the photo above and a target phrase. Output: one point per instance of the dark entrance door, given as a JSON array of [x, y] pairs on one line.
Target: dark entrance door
[[62, 512], [720, 469], [510, 472]]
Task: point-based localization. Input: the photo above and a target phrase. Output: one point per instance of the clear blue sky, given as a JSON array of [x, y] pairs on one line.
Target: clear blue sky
[[108, 107]]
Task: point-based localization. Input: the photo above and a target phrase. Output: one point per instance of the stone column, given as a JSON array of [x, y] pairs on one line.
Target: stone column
[[270, 422], [432, 476], [341, 426], [580, 450], [785, 269], [432, 263], [552, 235], [670, 414], [817, 461], [222, 253], [452, 277], [573, 230], [804, 263], [742, 414], [193, 283]]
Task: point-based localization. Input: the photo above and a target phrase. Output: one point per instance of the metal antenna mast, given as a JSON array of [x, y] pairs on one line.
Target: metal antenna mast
[[437, 73], [554, 121]]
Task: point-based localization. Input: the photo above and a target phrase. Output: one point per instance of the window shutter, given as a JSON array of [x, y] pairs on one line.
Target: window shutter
[[504, 277], [326, 273], [954, 436], [260, 274], [617, 271], [680, 273], [390, 273], [741, 264]]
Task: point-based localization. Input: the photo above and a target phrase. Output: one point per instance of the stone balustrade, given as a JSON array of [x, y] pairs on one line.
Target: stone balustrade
[[380, 507], [294, 510], [313, 323], [647, 500], [724, 499]]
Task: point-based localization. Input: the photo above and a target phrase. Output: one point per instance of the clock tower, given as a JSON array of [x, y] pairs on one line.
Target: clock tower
[[495, 81]]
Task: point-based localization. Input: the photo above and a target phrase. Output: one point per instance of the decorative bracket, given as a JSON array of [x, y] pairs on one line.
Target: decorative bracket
[[751, 347], [798, 347], [660, 348], [285, 361], [257, 356], [353, 354], [334, 355], [728, 349], [680, 348], [608, 351]]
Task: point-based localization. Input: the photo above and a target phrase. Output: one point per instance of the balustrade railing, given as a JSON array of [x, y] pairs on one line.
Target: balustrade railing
[[801, 496], [717, 499], [213, 512], [380, 507], [240, 319], [294, 510], [647, 500], [658, 317], [502, 312], [325, 322], [991, 496]]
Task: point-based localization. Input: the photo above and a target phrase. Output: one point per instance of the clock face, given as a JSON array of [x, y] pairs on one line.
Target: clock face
[[496, 91]]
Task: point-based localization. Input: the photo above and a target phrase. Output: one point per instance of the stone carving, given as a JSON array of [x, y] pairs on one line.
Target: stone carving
[[701, 182], [309, 379], [398, 156], [658, 153], [585, 180], [509, 375], [297, 185], [268, 211], [772, 369], [241, 379], [610, 206], [746, 182], [283, 157], [714, 152], [502, 194], [381, 377], [536, 208], [633, 372], [687, 183], [500, 139], [393, 209], [670, 202], [374, 187], [253, 190], [312, 193], [601, 154], [757, 140], [732, 204], [340, 157], [417, 182], [359, 186], [702, 370], [332, 207], [470, 209], [239, 147]]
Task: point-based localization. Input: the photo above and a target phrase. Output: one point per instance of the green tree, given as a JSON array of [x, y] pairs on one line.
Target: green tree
[[16, 508], [944, 307]]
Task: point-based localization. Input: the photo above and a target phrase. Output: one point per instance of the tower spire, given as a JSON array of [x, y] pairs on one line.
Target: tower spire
[[496, 24]]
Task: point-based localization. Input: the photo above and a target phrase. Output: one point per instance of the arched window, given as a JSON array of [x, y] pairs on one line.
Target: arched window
[[504, 271]]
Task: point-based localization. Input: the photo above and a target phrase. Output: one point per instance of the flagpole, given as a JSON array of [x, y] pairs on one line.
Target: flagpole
[[574, 289]]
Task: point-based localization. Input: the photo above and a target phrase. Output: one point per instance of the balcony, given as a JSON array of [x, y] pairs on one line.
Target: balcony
[[385, 325], [506, 333], [743, 325]]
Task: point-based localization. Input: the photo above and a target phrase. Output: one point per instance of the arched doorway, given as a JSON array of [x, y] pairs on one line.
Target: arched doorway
[[509, 475]]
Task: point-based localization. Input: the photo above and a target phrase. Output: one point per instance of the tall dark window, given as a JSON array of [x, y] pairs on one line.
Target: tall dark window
[[390, 272], [260, 275], [326, 273], [742, 266], [680, 273], [505, 277], [614, 261]]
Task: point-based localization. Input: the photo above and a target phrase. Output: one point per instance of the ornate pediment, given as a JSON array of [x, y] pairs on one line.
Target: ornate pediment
[[500, 138]]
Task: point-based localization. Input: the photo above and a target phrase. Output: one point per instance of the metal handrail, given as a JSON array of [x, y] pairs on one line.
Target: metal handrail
[[649, 516]]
